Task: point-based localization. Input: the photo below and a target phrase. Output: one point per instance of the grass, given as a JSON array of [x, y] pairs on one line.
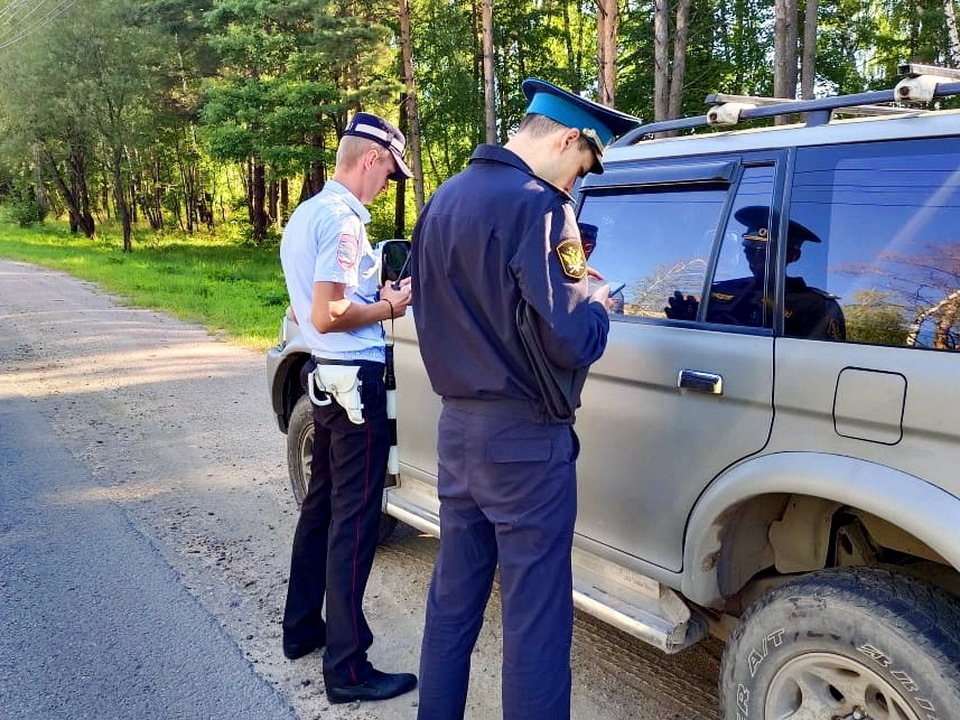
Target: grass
[[225, 285]]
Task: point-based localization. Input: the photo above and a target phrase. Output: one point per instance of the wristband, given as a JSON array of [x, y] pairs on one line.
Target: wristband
[[391, 307]]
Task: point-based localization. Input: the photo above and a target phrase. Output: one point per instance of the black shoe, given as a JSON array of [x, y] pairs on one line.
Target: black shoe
[[297, 650], [379, 686]]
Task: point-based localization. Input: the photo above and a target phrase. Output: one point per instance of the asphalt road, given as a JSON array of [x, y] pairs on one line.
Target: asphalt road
[[93, 622], [145, 526]]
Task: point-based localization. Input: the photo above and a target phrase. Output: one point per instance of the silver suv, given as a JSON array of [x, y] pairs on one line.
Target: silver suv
[[771, 441]]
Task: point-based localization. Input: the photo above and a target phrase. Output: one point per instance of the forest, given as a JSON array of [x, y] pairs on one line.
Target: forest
[[205, 115]]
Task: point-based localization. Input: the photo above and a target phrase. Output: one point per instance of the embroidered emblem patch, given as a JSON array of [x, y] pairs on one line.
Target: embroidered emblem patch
[[348, 250], [572, 260]]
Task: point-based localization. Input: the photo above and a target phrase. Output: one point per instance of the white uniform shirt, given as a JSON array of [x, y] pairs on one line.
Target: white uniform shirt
[[325, 241]]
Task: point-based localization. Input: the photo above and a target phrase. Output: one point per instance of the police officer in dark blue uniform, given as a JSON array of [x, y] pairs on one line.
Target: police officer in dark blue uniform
[[497, 240], [808, 311]]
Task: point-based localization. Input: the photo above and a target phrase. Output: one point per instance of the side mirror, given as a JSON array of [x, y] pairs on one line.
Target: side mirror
[[394, 260]]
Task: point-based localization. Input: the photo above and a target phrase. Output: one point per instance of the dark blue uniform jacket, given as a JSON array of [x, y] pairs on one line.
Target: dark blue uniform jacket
[[488, 237]]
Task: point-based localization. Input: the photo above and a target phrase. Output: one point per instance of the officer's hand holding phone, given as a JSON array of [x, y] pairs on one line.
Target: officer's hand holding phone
[[602, 291], [398, 294]]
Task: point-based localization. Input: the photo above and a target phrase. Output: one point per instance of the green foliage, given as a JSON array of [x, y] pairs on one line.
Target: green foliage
[[24, 209], [290, 70], [450, 91], [873, 318], [19, 194], [171, 102]]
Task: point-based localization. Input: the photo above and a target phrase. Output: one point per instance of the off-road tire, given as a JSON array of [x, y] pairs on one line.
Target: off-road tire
[[299, 458], [834, 642]]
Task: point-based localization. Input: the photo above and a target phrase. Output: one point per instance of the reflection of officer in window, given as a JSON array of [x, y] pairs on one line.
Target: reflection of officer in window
[[808, 311], [588, 239]]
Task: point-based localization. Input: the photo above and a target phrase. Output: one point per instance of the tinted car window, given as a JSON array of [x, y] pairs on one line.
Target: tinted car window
[[742, 283], [654, 241], [888, 216]]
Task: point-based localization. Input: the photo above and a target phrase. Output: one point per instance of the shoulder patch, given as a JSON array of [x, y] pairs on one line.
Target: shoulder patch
[[573, 262], [348, 250]]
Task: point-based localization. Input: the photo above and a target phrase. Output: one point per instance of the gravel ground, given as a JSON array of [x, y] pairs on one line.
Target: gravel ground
[[175, 426]]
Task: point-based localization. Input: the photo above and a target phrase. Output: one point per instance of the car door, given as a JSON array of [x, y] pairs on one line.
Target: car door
[[678, 395]]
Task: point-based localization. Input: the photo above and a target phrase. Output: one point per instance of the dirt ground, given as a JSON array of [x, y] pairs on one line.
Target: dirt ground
[[175, 425]]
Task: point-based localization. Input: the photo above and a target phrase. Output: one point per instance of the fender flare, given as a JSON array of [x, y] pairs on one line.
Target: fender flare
[[932, 515], [283, 368]]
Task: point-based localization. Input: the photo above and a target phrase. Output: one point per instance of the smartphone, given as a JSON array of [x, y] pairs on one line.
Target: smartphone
[[593, 285], [403, 273]]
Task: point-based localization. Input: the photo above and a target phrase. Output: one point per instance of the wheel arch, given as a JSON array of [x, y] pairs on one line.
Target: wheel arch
[[728, 537], [286, 388]]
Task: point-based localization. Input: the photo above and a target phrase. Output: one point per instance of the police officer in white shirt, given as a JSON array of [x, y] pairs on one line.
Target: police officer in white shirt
[[332, 276]]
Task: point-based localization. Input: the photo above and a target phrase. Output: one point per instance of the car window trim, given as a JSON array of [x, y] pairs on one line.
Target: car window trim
[[667, 174]]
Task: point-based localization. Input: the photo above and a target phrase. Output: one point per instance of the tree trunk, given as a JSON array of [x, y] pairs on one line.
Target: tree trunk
[[951, 18], [573, 59], [679, 70], [152, 202], [256, 199], [607, 20], [809, 63], [410, 105], [273, 202], [400, 210], [316, 174], [39, 188], [284, 200], [66, 191], [785, 52], [661, 71], [490, 113], [785, 49], [77, 160], [178, 214], [81, 193], [189, 180], [120, 200], [80, 217], [944, 324], [400, 197], [205, 209]]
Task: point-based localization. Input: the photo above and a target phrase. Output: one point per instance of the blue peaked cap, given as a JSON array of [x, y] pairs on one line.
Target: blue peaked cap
[[598, 123]]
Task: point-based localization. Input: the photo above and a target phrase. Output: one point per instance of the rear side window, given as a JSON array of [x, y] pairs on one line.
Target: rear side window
[[888, 216]]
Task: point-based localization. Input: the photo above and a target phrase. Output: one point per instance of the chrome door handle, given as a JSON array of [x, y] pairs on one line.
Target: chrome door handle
[[700, 381]]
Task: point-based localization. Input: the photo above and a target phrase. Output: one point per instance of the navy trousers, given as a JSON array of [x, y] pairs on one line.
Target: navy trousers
[[336, 536], [507, 490]]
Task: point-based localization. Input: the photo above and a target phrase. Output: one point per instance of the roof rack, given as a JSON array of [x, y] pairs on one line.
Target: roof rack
[[722, 100], [920, 84]]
